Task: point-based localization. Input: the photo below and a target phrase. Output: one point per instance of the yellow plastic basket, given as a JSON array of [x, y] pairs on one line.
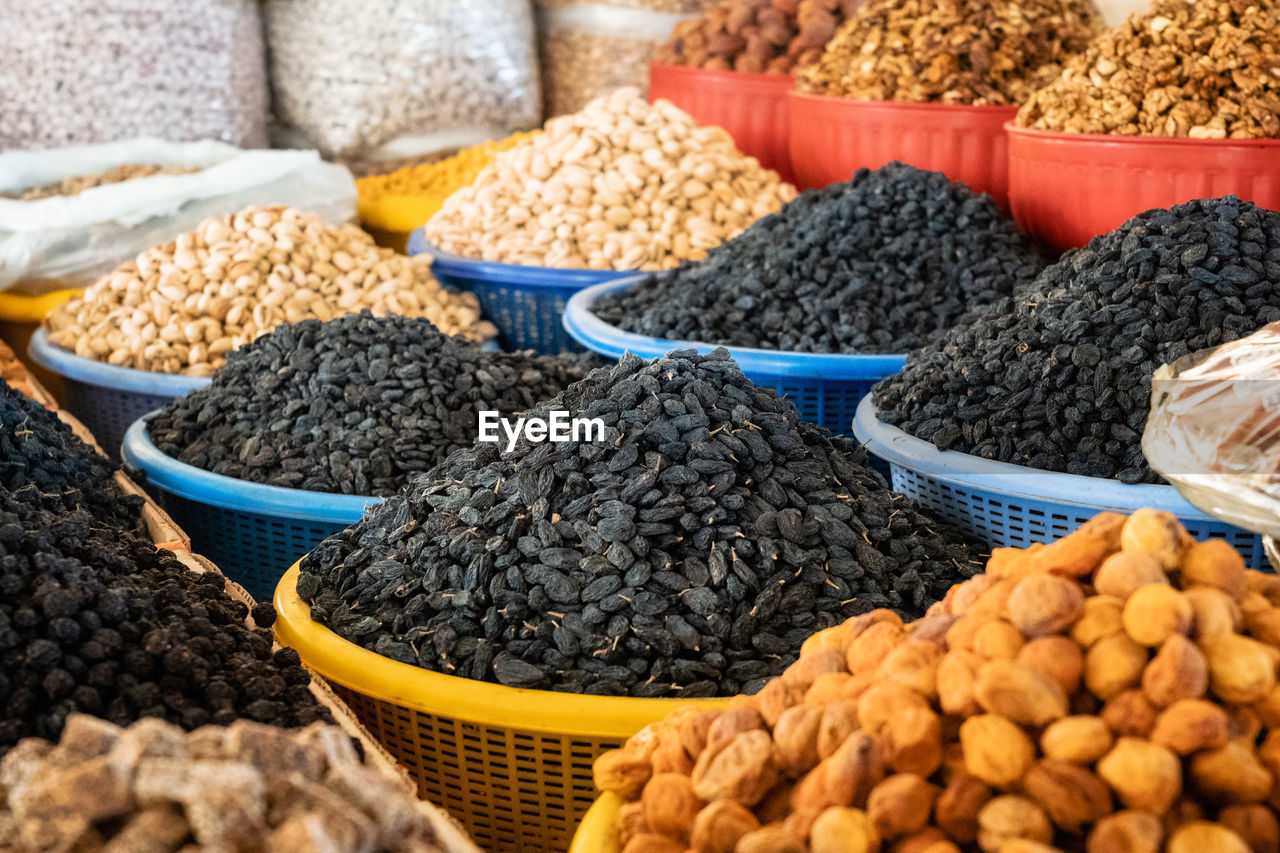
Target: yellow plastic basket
[[598, 832], [20, 315], [514, 766]]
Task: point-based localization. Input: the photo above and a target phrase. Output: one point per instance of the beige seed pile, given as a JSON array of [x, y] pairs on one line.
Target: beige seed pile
[[77, 184], [622, 184], [181, 307]]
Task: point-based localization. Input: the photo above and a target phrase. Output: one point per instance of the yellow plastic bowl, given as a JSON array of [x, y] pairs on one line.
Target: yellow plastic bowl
[[513, 765], [20, 316], [598, 832]]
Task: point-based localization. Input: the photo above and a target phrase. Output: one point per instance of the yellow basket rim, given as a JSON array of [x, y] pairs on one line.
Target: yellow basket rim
[[394, 212], [26, 308], [598, 830], [481, 702]]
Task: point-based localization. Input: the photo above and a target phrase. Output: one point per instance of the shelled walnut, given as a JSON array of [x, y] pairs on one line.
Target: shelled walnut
[[1135, 718]]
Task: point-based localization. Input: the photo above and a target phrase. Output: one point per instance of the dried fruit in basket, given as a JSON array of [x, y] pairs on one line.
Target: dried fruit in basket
[[181, 307], [357, 405], [953, 51], [687, 553], [620, 185], [1058, 378], [243, 787], [1205, 70], [1020, 761], [882, 263]]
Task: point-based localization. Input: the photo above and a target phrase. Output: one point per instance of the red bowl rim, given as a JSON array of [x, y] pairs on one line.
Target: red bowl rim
[[1125, 139], [727, 76], [904, 106]]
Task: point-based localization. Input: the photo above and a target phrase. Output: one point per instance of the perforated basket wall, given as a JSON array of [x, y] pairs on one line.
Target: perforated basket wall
[[513, 790], [107, 412], [527, 317], [252, 549], [830, 403], [1006, 520]]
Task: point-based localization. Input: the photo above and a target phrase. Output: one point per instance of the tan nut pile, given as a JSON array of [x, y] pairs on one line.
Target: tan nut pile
[[756, 36], [246, 788], [79, 183], [1112, 692], [952, 51], [1207, 70], [621, 185], [181, 307]]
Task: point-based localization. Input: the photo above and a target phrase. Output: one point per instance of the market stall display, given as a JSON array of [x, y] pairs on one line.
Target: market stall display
[[1114, 686], [1176, 103], [931, 84], [387, 78], [92, 71], [621, 185], [180, 307]]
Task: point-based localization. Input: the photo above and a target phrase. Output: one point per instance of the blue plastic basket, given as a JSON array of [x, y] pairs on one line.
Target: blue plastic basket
[[1012, 505], [105, 398], [825, 388], [250, 531], [525, 303]]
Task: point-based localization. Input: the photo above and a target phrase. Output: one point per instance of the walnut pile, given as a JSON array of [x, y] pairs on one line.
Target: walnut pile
[[1205, 70], [756, 36], [244, 788], [952, 51], [1113, 691]]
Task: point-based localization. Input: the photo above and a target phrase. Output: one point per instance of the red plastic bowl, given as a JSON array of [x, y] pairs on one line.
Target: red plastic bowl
[[831, 138], [752, 107], [1067, 188]]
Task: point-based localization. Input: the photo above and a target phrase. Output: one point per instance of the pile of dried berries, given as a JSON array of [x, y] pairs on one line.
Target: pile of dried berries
[[880, 264], [152, 788], [39, 450], [1113, 691], [99, 620], [356, 405], [756, 36], [1059, 378], [1200, 69], [952, 51], [687, 554]]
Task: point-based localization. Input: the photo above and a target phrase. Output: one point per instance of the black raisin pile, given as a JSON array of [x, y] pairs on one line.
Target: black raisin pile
[[879, 264], [99, 620], [688, 553], [1060, 378], [353, 406], [38, 449]]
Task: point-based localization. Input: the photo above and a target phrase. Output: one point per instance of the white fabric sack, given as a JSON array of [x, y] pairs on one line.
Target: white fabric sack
[[68, 241]]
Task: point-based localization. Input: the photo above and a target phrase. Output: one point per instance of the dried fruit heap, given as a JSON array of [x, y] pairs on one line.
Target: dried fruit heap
[[1059, 378], [689, 553], [951, 51], [245, 787], [39, 450], [882, 263], [1114, 690], [1199, 69], [354, 406]]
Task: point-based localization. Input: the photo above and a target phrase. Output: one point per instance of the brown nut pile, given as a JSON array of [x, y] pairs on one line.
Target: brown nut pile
[[1112, 691], [181, 307], [621, 185], [756, 36], [77, 184], [951, 51], [244, 788], [1205, 70]]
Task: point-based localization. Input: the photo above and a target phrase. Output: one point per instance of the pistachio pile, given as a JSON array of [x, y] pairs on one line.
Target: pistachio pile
[[1112, 691], [181, 307], [620, 185]]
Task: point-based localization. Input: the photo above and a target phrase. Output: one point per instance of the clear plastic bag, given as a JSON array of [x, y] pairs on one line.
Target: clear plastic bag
[[1214, 430], [68, 241], [589, 49], [74, 72], [399, 78]]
